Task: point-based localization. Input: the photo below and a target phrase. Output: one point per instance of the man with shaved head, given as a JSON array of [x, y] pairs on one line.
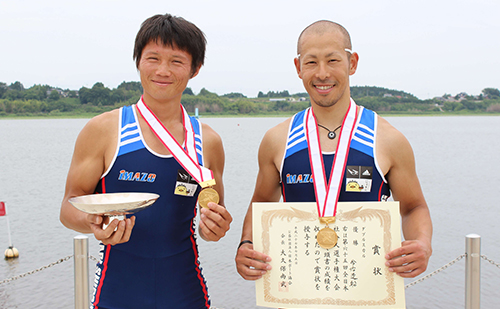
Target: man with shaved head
[[334, 129], [322, 27]]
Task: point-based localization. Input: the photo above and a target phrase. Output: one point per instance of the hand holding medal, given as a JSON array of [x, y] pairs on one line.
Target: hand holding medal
[[214, 221]]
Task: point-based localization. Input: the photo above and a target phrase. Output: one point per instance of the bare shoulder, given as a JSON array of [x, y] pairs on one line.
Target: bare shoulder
[[102, 125], [277, 134], [209, 134], [99, 136], [212, 142], [392, 146], [388, 134], [273, 144], [94, 150], [213, 149]]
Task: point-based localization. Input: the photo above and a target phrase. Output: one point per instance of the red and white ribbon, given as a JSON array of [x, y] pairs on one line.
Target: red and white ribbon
[[327, 193], [188, 158]]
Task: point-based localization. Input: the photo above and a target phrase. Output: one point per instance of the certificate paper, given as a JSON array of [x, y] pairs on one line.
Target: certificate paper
[[352, 274]]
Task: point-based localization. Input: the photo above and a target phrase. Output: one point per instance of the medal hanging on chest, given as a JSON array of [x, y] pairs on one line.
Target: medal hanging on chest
[[328, 192], [188, 157]]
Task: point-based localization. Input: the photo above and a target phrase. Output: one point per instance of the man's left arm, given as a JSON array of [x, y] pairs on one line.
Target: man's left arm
[[214, 220], [411, 259]]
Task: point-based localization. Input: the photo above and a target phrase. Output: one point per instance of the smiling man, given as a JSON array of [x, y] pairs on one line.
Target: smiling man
[[150, 260], [324, 63]]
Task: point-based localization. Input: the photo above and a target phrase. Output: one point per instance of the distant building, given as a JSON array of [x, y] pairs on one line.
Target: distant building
[[62, 93], [300, 99], [283, 99]]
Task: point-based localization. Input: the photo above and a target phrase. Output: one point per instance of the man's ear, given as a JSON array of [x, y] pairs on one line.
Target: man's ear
[[296, 61], [353, 65], [196, 72]]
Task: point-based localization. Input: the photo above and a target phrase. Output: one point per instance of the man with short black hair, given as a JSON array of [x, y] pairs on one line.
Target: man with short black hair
[[150, 260]]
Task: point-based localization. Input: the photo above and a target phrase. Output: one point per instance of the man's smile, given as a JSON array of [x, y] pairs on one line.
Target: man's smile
[[162, 83], [324, 89]]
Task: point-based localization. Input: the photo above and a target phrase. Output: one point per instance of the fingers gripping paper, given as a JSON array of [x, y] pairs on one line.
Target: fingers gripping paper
[[352, 274]]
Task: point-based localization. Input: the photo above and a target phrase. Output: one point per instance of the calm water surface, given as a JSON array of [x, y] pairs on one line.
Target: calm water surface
[[457, 163]]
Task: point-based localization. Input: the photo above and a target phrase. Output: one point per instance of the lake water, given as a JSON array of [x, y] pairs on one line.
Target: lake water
[[457, 162]]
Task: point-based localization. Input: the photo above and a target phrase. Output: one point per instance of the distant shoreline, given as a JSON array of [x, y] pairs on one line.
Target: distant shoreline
[[267, 115]]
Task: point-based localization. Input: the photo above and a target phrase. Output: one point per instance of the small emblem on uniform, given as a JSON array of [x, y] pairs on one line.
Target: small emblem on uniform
[[359, 178], [185, 184], [353, 186], [353, 172], [181, 190]]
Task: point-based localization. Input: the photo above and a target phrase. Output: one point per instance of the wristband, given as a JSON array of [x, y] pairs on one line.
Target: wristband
[[244, 242]]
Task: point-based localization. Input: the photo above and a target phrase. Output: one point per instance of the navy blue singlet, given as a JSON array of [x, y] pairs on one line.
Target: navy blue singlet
[[158, 267], [362, 180]]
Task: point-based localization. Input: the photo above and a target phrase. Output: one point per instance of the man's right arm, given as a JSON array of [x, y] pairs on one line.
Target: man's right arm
[[94, 144], [251, 264]]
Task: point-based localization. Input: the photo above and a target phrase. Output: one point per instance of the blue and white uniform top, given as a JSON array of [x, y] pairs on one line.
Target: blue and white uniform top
[[362, 181], [158, 267]]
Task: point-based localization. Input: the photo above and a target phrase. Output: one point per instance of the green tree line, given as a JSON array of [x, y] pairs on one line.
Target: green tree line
[[41, 100]]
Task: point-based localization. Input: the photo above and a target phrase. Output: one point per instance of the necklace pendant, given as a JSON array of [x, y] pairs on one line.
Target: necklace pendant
[[331, 134]]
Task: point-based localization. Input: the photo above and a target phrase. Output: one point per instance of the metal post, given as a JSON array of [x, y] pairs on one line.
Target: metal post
[[81, 253], [473, 271]]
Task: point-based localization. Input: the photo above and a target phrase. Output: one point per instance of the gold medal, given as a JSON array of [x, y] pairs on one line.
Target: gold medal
[[327, 238], [206, 196], [327, 220]]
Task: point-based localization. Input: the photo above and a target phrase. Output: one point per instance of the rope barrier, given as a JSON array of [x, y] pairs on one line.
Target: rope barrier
[[96, 260], [484, 257], [491, 261], [42, 268], [36, 270], [436, 271]]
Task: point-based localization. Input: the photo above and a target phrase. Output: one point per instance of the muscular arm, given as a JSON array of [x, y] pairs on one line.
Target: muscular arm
[[251, 265], [397, 157], [92, 147], [215, 220]]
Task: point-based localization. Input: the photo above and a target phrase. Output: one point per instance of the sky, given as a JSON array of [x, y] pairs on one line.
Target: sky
[[427, 48]]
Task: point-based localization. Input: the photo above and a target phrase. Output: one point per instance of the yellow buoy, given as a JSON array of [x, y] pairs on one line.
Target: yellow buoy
[[11, 253]]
